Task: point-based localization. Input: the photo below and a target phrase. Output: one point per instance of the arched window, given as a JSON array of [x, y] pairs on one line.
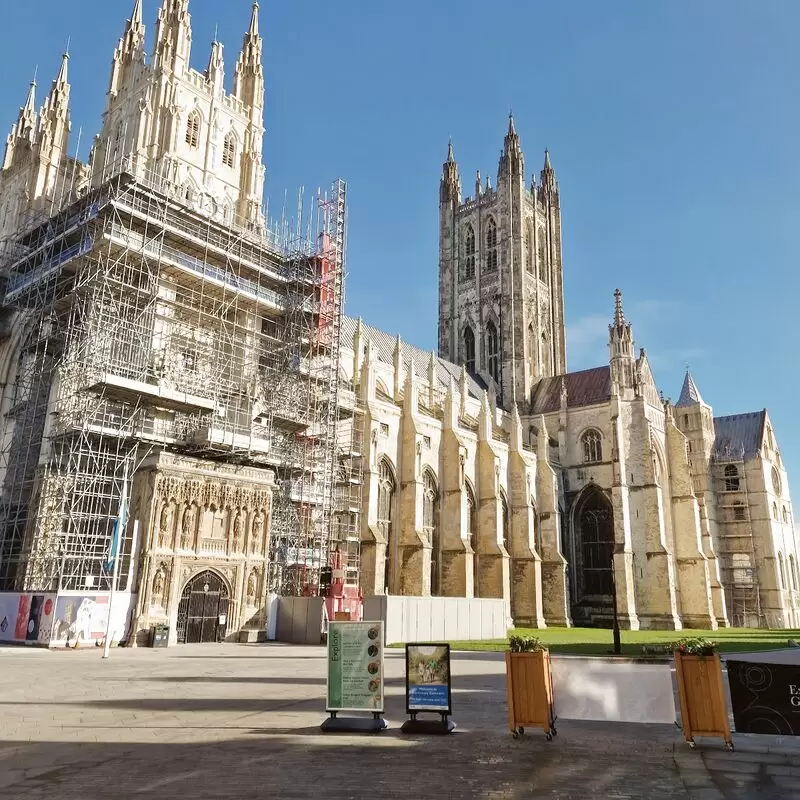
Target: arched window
[[506, 529], [544, 271], [739, 511], [469, 349], [782, 571], [492, 351], [785, 516], [776, 481], [529, 249], [229, 151], [775, 511], [731, 478], [491, 245], [430, 526], [594, 520], [770, 439], [472, 531], [193, 130], [793, 572], [469, 252], [386, 490], [592, 446]]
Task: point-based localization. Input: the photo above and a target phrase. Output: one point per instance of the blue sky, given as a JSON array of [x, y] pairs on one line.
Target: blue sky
[[674, 129]]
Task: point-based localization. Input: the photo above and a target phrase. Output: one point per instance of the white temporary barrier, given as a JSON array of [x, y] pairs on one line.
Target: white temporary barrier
[[300, 620], [435, 619], [612, 691], [82, 617], [26, 617]]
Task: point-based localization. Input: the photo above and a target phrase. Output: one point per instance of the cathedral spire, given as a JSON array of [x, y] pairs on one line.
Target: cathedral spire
[[690, 394], [248, 82]]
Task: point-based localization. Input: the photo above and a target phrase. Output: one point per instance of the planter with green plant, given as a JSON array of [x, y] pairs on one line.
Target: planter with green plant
[[704, 710], [530, 686]]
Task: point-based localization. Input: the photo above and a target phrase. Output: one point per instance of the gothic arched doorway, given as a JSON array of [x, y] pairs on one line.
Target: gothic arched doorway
[[203, 610], [593, 553]]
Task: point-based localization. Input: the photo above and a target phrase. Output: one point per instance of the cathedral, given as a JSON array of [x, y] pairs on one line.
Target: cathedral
[[496, 472], [191, 427]]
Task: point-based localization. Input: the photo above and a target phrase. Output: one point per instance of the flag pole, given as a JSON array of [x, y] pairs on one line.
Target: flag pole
[[116, 553]]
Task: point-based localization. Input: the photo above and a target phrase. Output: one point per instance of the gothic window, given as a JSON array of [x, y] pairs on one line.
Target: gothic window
[[592, 446], [776, 481], [506, 529], [785, 516], [386, 491], [596, 554], [544, 272], [229, 151], [731, 478], [782, 571], [430, 526], [469, 349], [472, 532], [528, 250], [739, 511], [775, 511], [792, 572], [493, 351], [193, 130], [469, 252], [770, 440], [491, 245]]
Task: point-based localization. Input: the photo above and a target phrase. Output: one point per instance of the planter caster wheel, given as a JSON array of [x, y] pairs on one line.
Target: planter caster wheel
[[729, 745], [692, 744], [554, 732], [548, 736], [521, 731], [515, 734]]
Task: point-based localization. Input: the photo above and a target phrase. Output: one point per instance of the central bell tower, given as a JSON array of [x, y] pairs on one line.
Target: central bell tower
[[501, 296]]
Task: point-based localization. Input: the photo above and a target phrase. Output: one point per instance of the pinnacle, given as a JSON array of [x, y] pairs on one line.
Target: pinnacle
[[512, 131], [450, 158], [619, 314], [690, 394], [136, 14], [253, 31], [547, 164]]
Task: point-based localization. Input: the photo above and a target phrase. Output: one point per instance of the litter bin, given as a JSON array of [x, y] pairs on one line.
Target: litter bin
[[159, 636]]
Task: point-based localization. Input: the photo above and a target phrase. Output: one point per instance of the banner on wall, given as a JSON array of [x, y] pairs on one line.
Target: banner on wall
[[80, 619], [26, 617], [355, 666], [765, 697]]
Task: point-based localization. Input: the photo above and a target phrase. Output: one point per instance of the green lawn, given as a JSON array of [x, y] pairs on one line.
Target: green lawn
[[596, 641]]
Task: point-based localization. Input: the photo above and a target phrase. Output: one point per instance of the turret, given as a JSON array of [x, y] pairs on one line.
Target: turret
[[450, 184], [24, 129], [695, 419], [620, 345], [173, 44]]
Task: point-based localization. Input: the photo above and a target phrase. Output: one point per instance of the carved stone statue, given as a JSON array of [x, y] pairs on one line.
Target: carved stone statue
[[187, 528], [237, 532], [158, 587], [163, 522], [251, 588], [258, 532]]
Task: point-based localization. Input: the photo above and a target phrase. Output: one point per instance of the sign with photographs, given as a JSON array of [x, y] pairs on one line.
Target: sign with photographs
[[428, 678], [355, 666], [765, 697]]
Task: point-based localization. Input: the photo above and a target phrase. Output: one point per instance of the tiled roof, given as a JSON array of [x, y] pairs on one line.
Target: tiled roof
[[690, 394], [739, 435], [584, 388], [385, 344]]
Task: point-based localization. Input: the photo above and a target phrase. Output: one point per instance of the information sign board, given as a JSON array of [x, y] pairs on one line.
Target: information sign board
[[765, 697], [428, 678], [355, 666]]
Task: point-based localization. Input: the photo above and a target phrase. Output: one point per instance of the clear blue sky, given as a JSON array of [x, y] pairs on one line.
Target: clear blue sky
[[674, 128]]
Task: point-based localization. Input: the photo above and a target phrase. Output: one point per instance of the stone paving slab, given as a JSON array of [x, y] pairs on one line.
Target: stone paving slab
[[242, 721]]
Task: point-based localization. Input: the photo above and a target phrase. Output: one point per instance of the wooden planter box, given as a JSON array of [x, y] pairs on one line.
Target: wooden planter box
[[530, 692], [704, 711]]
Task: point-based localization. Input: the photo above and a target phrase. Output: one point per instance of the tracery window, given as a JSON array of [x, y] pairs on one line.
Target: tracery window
[[493, 351], [469, 252], [491, 245], [193, 130], [785, 516], [544, 272], [731, 478], [469, 349], [592, 446], [430, 526], [528, 250], [776, 481], [229, 151], [775, 511], [385, 522]]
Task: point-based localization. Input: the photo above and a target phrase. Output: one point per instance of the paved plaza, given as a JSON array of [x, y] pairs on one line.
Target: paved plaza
[[242, 721]]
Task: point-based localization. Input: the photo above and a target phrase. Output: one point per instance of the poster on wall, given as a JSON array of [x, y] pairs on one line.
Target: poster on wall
[[428, 678], [25, 617], [765, 697], [80, 619], [355, 666]]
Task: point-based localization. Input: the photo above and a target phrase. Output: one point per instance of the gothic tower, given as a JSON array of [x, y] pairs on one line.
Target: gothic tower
[[501, 307]]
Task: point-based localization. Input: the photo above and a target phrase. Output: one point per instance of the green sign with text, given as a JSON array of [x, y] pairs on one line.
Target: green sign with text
[[355, 666]]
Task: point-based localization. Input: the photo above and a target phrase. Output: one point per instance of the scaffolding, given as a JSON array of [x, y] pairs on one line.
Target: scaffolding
[[147, 325], [735, 546]]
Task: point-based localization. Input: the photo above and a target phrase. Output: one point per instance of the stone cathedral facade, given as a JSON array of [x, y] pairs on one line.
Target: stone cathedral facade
[[493, 471]]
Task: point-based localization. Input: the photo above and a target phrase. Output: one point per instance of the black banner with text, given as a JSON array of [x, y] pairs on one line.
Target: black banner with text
[[765, 697]]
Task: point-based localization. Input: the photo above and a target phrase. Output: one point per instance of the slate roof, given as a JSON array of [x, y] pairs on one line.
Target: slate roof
[[739, 435], [385, 344], [690, 394], [584, 388]]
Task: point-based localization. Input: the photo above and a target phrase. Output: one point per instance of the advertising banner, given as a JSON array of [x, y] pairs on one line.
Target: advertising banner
[[428, 678], [765, 697], [26, 617], [355, 666]]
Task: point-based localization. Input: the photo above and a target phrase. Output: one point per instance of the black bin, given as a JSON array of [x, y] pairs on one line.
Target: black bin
[[159, 636]]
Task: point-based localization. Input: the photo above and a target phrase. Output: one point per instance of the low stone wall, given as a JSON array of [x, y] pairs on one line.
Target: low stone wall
[[431, 619]]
